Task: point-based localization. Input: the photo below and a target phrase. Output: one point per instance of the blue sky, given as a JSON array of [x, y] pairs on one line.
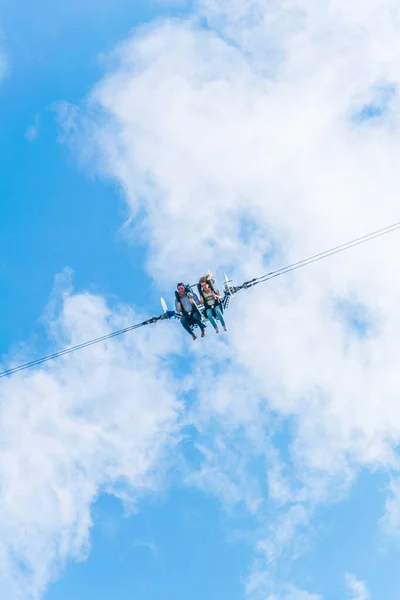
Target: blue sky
[[50, 211], [262, 465]]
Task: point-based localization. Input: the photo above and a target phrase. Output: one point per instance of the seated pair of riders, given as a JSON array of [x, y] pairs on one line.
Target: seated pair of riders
[[191, 316]]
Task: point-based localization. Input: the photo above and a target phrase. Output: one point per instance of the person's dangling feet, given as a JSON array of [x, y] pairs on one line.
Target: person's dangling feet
[[225, 328], [203, 333], [216, 330], [194, 336]]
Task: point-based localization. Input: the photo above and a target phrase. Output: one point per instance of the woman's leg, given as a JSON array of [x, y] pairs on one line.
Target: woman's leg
[[220, 317], [210, 317]]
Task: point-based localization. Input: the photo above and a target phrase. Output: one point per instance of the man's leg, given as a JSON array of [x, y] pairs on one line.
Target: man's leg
[[186, 324], [196, 318]]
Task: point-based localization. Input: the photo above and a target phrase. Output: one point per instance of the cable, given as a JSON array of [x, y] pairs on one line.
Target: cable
[[169, 314], [39, 361], [316, 257]]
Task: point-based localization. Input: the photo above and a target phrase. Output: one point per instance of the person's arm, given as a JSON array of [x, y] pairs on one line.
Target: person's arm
[[178, 306]]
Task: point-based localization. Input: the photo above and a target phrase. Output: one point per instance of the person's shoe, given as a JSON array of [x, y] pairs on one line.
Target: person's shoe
[[225, 328], [194, 336], [216, 330], [203, 333]]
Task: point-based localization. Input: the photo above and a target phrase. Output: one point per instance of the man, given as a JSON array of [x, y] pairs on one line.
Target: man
[[190, 314]]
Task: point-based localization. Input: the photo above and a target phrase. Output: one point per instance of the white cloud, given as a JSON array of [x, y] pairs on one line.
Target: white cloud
[[357, 589], [391, 518], [32, 131], [295, 594], [239, 149], [94, 422], [287, 592], [148, 545]]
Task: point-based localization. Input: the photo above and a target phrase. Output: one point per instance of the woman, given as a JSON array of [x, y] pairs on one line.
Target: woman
[[211, 300]]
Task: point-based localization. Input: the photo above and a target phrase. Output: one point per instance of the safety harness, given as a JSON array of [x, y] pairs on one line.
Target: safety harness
[[179, 299], [217, 301]]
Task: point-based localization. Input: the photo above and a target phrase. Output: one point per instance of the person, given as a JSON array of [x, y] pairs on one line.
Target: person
[[190, 314], [212, 302]]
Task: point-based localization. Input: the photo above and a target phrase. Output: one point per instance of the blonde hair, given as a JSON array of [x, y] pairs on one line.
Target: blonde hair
[[205, 278]]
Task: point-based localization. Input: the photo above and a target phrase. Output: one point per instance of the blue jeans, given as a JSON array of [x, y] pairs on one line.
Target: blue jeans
[[218, 312], [193, 319]]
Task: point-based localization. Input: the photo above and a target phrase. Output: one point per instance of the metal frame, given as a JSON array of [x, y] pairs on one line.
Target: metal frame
[[228, 293]]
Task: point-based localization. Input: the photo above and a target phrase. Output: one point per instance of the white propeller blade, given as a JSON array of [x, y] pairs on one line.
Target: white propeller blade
[[164, 304]]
